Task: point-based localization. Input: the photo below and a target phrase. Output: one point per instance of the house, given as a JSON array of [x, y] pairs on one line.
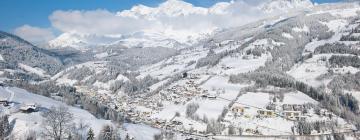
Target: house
[[28, 108], [287, 107], [4, 102], [212, 97], [266, 113], [292, 115], [177, 123], [159, 123], [238, 109], [324, 112], [292, 107], [204, 96]]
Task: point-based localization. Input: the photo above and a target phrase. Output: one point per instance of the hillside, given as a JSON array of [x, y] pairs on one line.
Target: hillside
[[19, 57], [288, 76]]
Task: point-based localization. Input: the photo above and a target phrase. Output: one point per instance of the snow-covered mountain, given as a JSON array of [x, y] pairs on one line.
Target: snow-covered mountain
[[138, 39], [170, 8], [292, 76], [81, 41], [17, 53], [238, 73], [167, 36], [283, 6]]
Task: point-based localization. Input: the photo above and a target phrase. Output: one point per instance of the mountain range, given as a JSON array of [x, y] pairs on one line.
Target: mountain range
[[169, 37], [292, 74]]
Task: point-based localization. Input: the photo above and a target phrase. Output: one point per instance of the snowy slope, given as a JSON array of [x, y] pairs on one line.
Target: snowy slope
[[273, 6], [274, 44], [27, 122], [170, 33]]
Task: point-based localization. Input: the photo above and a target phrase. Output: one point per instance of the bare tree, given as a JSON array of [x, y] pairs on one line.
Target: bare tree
[[57, 122], [30, 135], [80, 130]]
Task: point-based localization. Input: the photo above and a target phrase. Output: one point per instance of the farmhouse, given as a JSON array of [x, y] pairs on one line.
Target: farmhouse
[[238, 109], [266, 113], [293, 115], [4, 102], [28, 108], [212, 97], [292, 107]]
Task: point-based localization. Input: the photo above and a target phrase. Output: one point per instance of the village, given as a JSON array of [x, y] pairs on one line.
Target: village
[[188, 89], [143, 110]]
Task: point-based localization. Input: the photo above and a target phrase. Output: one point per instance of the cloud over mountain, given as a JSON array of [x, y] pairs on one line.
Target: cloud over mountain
[[34, 34], [174, 19]]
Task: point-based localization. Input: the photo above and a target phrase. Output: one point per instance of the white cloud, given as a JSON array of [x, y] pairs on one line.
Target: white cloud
[[174, 18], [34, 34], [173, 15], [95, 22]]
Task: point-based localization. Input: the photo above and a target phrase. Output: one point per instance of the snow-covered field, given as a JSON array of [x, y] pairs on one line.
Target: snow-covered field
[[237, 64], [161, 106], [26, 122], [140, 131], [174, 64], [310, 70]]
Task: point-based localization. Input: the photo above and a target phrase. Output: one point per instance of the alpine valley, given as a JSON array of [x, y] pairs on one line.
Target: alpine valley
[[291, 73]]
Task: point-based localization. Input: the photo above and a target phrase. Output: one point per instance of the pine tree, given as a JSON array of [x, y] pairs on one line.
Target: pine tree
[[106, 133], [4, 126], [90, 135], [127, 137]]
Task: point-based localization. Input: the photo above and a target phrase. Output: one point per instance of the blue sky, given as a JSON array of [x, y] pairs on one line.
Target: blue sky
[[15, 13]]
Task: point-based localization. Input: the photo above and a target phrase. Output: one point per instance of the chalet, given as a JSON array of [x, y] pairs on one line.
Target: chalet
[[212, 97], [146, 113], [132, 114], [271, 106], [324, 112], [204, 95], [184, 75], [188, 93], [159, 123], [177, 123], [266, 113], [4, 102], [28, 108], [238, 109], [246, 57], [292, 107], [292, 115], [252, 131], [194, 76]]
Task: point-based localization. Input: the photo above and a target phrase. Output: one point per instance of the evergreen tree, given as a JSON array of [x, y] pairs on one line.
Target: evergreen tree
[[4, 126], [108, 133], [90, 135], [127, 137]]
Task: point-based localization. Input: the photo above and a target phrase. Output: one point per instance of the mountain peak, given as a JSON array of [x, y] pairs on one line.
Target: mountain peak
[[274, 6], [171, 8]]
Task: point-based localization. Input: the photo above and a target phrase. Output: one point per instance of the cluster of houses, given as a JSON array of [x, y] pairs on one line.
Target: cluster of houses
[[182, 93], [289, 111], [25, 107]]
